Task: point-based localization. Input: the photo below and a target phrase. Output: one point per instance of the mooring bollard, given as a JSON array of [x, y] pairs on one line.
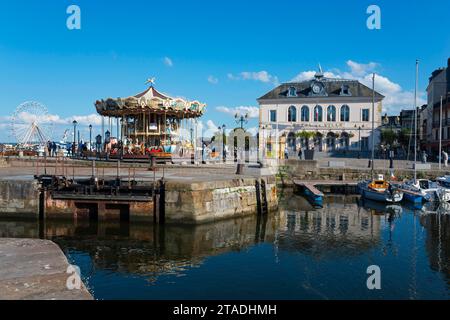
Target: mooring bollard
[[152, 163], [240, 168]]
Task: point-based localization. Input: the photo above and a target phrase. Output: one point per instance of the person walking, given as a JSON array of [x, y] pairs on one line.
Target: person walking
[[445, 157], [286, 153], [299, 153], [49, 148], [424, 156], [54, 148]]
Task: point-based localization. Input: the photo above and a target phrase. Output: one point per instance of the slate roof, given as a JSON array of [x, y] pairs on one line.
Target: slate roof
[[331, 88]]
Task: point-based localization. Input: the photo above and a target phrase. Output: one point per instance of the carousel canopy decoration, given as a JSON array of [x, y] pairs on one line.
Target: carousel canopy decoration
[[150, 100]]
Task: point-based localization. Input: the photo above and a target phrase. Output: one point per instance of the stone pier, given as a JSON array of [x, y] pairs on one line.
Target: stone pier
[[207, 201], [33, 269], [19, 198], [199, 200]]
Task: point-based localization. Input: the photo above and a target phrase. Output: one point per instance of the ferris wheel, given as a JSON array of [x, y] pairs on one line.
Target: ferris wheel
[[31, 124]]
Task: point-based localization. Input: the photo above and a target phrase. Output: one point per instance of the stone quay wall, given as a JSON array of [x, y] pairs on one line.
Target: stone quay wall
[[192, 202], [200, 202], [19, 198], [311, 171]]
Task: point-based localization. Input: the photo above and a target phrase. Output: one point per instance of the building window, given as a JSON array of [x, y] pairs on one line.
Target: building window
[[318, 114], [364, 143], [345, 91], [292, 114], [292, 92], [345, 113], [331, 113], [305, 114], [273, 115], [365, 115]]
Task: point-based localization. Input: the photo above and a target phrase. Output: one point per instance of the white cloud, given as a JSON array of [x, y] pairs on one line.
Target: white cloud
[[207, 129], [25, 117], [54, 123], [262, 76], [168, 62], [253, 112], [308, 75], [93, 119], [253, 131], [360, 69], [396, 99], [213, 80]]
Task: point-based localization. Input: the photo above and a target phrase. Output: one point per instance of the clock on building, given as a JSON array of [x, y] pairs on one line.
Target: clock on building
[[316, 88]]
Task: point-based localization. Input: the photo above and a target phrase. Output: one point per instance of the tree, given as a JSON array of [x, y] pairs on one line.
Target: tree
[[306, 136], [388, 137], [404, 138]]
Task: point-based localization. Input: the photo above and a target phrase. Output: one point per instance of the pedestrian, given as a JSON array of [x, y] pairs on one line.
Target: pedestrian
[[424, 156], [54, 148], [286, 153], [445, 157], [299, 153], [391, 159], [49, 148]]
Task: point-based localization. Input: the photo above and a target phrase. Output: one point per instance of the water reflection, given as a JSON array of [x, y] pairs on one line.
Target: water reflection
[[146, 248], [340, 228], [297, 253]]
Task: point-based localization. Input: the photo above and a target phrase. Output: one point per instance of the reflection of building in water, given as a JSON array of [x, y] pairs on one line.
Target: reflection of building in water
[[437, 242], [148, 249], [340, 227]]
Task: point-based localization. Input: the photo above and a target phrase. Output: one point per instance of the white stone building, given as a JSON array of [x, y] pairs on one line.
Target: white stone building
[[321, 113]]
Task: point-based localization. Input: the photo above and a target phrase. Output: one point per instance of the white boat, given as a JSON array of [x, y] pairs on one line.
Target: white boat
[[444, 181], [426, 189], [380, 190]]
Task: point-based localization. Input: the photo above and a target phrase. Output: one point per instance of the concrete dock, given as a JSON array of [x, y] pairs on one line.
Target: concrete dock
[[32, 269]]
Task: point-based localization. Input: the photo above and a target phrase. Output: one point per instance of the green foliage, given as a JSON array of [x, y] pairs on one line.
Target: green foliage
[[388, 137], [404, 137], [305, 134], [420, 175]]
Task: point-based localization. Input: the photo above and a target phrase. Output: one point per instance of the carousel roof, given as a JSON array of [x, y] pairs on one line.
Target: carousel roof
[[150, 100]]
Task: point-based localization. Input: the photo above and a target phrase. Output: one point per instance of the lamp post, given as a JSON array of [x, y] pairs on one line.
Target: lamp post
[[359, 142], [107, 141], [74, 137], [241, 119], [90, 137], [224, 136]]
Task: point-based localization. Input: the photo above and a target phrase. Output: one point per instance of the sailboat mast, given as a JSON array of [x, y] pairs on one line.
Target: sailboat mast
[[415, 121], [373, 123]]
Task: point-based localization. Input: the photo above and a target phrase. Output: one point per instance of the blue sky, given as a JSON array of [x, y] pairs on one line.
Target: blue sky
[[244, 48]]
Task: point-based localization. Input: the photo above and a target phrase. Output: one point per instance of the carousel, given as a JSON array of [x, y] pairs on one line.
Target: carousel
[[150, 123]]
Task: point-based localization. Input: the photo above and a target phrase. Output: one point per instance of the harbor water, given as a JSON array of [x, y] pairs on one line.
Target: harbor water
[[298, 252]]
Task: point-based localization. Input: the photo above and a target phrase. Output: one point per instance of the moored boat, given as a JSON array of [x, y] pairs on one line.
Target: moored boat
[[444, 181], [380, 190], [424, 190]]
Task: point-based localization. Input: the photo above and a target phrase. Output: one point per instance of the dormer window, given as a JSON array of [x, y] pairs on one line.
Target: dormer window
[[345, 90], [292, 92]]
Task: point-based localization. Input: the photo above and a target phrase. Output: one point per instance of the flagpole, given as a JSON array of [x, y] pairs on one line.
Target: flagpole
[[440, 136], [415, 121], [373, 123]]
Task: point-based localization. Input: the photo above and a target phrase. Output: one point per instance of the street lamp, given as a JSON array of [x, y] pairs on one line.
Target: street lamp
[[224, 136], [107, 141], [241, 119], [74, 137], [90, 137]]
